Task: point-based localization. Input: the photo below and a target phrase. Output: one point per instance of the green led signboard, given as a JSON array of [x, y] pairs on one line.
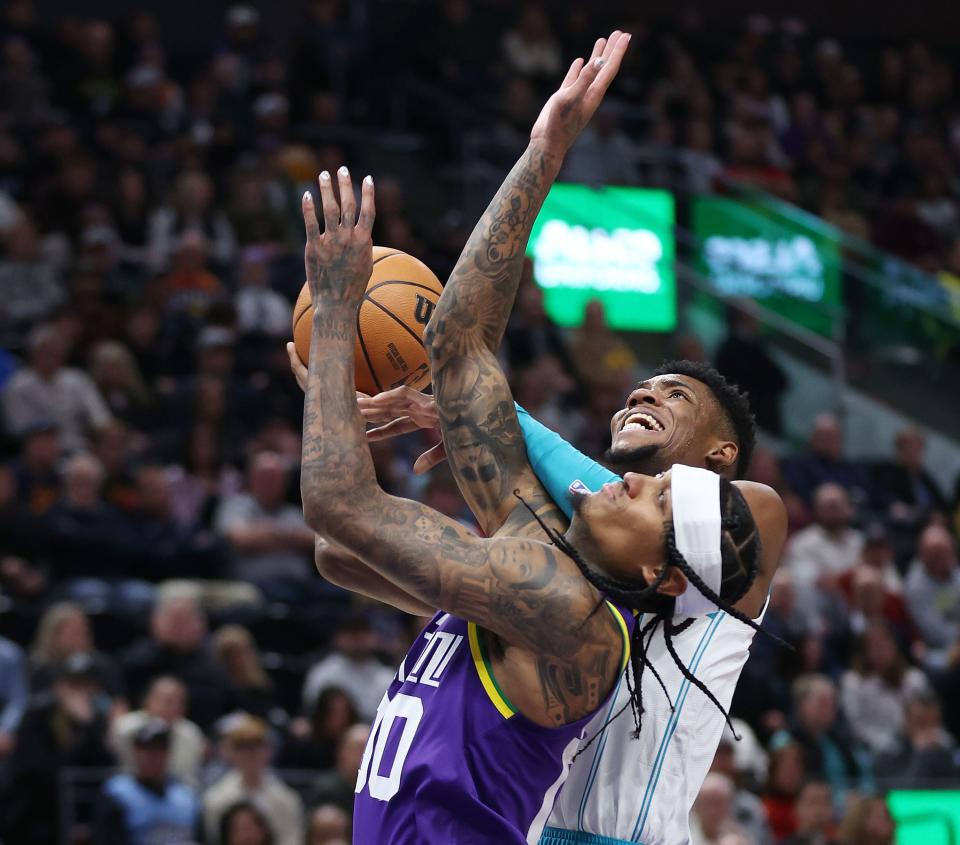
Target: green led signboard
[[926, 817], [613, 244], [745, 252]]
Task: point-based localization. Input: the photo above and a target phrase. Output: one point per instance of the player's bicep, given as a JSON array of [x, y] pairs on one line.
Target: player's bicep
[[522, 590]]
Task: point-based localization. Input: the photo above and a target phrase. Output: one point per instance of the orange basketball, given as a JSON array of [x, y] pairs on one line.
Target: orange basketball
[[401, 295]]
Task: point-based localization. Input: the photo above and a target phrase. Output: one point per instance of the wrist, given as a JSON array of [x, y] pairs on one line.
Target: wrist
[[552, 154]]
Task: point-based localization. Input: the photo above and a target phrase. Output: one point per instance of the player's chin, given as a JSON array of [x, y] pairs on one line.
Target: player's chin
[[634, 440]]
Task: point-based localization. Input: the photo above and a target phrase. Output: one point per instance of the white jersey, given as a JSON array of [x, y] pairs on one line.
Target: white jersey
[[641, 790]]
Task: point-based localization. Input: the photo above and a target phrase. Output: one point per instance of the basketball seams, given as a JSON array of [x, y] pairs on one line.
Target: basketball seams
[[363, 349], [378, 285], [396, 319]]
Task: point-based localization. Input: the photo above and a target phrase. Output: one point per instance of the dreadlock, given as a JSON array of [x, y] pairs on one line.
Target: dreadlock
[[740, 554], [734, 404]]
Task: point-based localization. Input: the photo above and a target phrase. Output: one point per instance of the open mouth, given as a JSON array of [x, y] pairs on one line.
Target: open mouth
[[642, 421]]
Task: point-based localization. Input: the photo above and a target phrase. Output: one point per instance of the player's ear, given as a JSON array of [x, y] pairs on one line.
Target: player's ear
[[722, 458], [673, 585]]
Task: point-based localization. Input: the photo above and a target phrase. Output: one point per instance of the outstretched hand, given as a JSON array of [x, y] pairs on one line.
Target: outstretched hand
[[570, 108], [394, 412], [339, 261]]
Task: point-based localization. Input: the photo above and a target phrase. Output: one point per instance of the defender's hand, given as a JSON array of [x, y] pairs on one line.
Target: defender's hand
[[401, 411], [571, 107], [339, 261]]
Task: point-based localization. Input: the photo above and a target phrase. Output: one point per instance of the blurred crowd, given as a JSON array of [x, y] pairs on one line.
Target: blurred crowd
[[170, 660]]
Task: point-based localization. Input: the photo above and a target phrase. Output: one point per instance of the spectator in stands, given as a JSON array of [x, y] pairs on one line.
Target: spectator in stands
[[313, 741], [825, 463], [148, 804], [176, 646], [244, 824], [909, 493], [920, 751], [165, 701], [193, 211], [867, 822], [874, 691], [337, 785], [599, 354], [237, 653], [14, 695], [932, 592], [744, 360], [170, 549], [816, 555], [261, 312], [742, 767], [530, 48], [829, 753], [247, 747], [92, 543], [329, 825], [870, 602], [49, 390], [712, 813], [603, 154], [786, 774], [203, 479], [64, 631], [530, 332], [29, 278], [815, 815], [189, 287], [352, 667], [37, 478], [63, 727], [876, 555], [271, 546], [121, 385]]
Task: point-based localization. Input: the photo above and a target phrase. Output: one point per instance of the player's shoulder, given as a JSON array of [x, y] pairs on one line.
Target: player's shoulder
[[765, 504]]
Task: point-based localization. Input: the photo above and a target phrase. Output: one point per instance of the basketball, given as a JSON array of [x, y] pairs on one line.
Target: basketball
[[401, 295]]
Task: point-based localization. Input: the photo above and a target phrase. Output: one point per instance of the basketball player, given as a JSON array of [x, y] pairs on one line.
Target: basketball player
[[619, 790], [472, 739]]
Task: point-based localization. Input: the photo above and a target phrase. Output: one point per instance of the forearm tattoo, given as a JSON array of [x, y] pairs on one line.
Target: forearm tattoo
[[483, 438]]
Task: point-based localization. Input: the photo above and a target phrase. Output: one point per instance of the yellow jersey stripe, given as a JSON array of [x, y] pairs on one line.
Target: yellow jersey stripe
[[626, 635], [485, 673]]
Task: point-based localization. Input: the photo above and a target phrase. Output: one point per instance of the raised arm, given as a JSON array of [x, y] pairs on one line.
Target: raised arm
[[524, 591], [479, 423]]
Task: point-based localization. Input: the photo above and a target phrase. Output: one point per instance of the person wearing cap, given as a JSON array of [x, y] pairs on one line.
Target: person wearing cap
[[246, 747], [148, 805], [165, 700]]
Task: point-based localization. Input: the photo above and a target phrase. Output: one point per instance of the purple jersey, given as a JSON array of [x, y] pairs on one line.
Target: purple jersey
[[449, 760]]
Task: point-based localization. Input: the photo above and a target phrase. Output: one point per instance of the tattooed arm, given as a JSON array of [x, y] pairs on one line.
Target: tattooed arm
[[528, 593], [483, 440]]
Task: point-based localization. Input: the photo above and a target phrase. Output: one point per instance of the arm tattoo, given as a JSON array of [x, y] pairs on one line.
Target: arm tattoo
[[483, 438], [526, 592]]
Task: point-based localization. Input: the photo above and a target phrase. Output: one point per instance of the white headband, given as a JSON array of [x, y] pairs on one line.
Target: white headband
[[695, 494]]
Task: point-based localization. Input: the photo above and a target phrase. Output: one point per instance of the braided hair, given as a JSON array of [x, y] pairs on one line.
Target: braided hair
[[740, 554]]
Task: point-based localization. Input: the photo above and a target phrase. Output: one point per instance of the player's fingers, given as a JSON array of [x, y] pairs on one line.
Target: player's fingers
[[368, 206], [572, 74], [598, 48], [348, 202], [429, 459], [611, 44], [296, 366], [310, 222], [611, 66], [587, 75], [331, 211], [403, 425]]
